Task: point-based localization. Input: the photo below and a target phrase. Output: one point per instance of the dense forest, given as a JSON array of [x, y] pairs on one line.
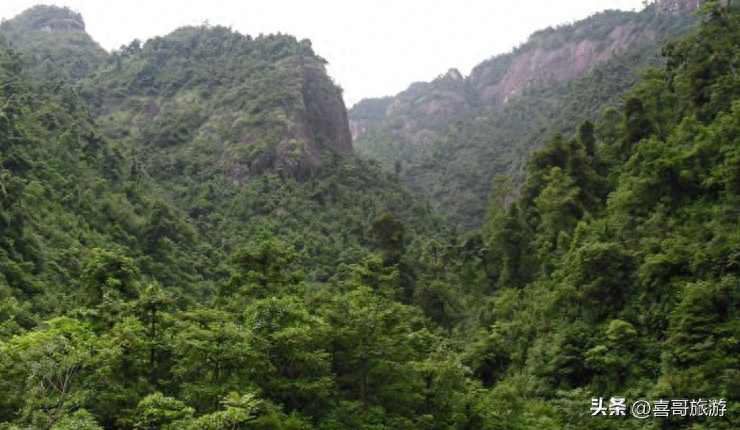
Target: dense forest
[[187, 242], [449, 138]]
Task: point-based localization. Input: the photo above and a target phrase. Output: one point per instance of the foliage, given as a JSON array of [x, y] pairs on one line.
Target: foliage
[[142, 289], [55, 42], [452, 157]]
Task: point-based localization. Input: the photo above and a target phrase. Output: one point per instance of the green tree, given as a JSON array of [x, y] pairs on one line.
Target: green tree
[[263, 268], [78, 420], [296, 345], [57, 373], [636, 126], [213, 355], [159, 412], [153, 305], [388, 234], [109, 276], [587, 137], [374, 341]]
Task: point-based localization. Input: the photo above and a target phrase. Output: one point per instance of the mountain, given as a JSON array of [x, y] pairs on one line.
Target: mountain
[[55, 40], [69, 201], [246, 135], [185, 222], [571, 51], [451, 136], [616, 269], [148, 284], [244, 105], [268, 102], [226, 128]]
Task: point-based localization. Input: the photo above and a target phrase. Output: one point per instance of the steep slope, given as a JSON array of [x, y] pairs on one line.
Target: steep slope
[[451, 136], [272, 304], [201, 251], [242, 137], [69, 204], [238, 105], [267, 103], [247, 136], [55, 40], [571, 51], [366, 113], [617, 269]]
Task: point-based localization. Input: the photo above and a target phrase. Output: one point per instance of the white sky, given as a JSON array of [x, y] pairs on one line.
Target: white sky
[[374, 47]]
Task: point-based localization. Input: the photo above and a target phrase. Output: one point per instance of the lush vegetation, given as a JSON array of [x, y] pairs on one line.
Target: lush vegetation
[[143, 287], [458, 155], [35, 33], [614, 270]]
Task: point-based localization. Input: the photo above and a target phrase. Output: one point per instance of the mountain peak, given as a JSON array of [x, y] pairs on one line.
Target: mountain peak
[[55, 41], [244, 105], [48, 18], [454, 74], [677, 6]]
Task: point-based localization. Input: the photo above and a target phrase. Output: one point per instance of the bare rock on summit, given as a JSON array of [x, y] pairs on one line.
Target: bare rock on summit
[[453, 134], [219, 101], [55, 41], [548, 59], [677, 6]]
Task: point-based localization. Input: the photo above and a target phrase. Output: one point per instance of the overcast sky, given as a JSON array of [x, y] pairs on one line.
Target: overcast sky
[[374, 47]]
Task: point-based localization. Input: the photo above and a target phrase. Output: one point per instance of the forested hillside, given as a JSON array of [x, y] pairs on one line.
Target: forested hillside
[[55, 42], [168, 262], [615, 273], [70, 203], [448, 138], [246, 136]]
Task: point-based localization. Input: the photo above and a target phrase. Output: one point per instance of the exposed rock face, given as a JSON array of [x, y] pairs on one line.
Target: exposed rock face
[[320, 125], [677, 6], [62, 25], [55, 40], [452, 135], [437, 102], [241, 106], [366, 114], [540, 63], [315, 125], [358, 127], [447, 95], [325, 109], [551, 55], [454, 75]]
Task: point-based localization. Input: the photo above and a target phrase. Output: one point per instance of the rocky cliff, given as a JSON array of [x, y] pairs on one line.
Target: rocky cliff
[[549, 56], [366, 113], [553, 55], [452, 135], [209, 98], [677, 6], [317, 125]]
